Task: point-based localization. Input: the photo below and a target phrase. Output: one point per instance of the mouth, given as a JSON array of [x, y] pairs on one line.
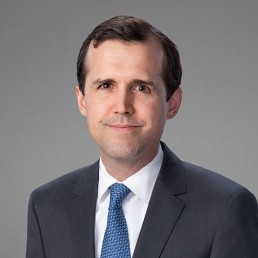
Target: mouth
[[123, 127]]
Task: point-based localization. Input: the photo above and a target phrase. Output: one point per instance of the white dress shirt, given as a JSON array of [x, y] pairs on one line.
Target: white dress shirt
[[135, 204]]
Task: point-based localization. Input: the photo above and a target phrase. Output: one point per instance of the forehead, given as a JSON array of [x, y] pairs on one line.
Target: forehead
[[148, 54]]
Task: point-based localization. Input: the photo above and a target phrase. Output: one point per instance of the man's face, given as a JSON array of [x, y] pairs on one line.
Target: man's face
[[125, 99]]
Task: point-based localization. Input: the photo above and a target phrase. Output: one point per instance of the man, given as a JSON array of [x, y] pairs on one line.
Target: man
[[128, 86]]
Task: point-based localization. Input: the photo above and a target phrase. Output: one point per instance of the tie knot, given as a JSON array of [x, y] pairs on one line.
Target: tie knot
[[118, 192]]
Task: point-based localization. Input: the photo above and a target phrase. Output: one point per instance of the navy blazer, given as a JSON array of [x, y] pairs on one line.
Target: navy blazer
[[193, 213]]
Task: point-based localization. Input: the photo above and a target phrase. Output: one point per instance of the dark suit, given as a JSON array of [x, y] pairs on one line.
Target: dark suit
[[193, 213]]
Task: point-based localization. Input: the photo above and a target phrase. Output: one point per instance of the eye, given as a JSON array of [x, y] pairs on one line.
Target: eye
[[105, 86], [142, 88]]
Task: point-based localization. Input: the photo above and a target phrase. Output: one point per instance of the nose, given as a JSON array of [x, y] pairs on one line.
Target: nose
[[123, 102]]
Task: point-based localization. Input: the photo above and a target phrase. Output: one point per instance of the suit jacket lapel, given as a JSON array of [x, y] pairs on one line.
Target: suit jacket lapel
[[164, 208], [82, 206]]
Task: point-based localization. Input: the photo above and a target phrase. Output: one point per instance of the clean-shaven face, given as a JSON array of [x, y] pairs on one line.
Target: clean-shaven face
[[125, 99]]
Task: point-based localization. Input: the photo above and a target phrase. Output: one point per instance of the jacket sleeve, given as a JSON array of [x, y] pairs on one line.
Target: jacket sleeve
[[237, 232], [35, 247]]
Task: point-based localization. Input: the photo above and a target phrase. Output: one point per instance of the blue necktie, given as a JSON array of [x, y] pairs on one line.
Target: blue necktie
[[116, 240]]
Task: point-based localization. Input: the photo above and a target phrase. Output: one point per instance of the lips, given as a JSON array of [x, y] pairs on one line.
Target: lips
[[123, 127]]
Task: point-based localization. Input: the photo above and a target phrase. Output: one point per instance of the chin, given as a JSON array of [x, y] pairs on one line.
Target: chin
[[122, 152]]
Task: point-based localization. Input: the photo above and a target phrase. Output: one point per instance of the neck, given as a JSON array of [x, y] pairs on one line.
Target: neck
[[121, 169]]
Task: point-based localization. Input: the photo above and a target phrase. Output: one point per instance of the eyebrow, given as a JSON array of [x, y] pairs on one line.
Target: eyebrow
[[145, 82], [135, 81], [100, 81]]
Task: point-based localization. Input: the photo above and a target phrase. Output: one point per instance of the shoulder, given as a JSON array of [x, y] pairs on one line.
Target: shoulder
[[208, 179], [196, 178], [200, 183], [215, 190], [63, 185]]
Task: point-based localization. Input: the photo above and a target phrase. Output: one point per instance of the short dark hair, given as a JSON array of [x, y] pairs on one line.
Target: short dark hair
[[130, 29]]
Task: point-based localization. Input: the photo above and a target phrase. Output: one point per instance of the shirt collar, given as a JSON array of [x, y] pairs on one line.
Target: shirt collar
[[141, 183]]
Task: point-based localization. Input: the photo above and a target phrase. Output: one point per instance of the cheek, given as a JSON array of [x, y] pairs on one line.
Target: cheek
[[96, 111], [154, 113], [93, 105]]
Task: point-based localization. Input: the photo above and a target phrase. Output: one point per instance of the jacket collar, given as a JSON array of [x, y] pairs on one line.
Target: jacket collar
[[165, 207]]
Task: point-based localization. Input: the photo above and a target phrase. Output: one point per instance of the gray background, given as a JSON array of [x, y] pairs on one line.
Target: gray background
[[42, 134]]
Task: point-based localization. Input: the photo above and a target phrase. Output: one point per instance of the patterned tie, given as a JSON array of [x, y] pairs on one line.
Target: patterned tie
[[116, 240]]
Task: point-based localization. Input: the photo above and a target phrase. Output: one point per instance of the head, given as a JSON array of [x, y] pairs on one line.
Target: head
[[132, 29], [129, 75]]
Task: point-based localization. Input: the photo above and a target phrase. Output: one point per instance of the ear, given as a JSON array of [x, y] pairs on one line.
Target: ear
[[174, 103], [80, 100]]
